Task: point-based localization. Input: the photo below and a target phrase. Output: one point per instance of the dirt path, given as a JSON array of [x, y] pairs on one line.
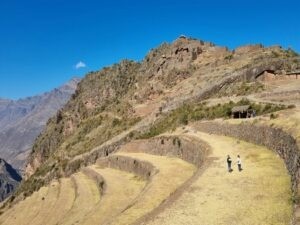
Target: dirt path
[[260, 194]]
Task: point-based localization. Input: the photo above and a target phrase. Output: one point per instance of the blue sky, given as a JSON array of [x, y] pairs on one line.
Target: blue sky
[[42, 41]]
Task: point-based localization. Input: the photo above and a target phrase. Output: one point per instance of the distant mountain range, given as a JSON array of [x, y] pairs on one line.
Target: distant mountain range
[[21, 121], [9, 179]]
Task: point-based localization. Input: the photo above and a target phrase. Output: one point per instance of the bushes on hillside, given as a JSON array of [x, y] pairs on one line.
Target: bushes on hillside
[[194, 112]]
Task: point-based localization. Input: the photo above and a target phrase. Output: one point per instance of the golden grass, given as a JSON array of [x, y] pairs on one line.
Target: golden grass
[[25, 211], [173, 172], [122, 189], [76, 200], [87, 197], [259, 195], [288, 120], [63, 204], [48, 204]]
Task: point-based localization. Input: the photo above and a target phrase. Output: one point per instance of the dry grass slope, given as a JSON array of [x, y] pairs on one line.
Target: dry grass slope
[[173, 172], [87, 197], [122, 189], [24, 212], [48, 203], [216, 197], [260, 194], [125, 199], [63, 204]]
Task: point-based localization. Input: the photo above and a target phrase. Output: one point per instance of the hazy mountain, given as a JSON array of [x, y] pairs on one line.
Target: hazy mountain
[[9, 179], [22, 120]]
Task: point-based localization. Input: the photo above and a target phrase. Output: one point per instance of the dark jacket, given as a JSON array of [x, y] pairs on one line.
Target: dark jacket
[[229, 160]]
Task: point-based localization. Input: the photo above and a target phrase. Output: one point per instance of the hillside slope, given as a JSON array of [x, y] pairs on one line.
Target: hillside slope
[[136, 118], [21, 121], [148, 182], [128, 97]]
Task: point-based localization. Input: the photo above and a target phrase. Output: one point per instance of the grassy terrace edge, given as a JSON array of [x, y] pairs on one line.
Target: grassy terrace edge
[[201, 111]]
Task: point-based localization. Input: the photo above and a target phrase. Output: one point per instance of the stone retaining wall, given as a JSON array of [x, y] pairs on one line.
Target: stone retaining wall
[[183, 147], [124, 163], [98, 178]]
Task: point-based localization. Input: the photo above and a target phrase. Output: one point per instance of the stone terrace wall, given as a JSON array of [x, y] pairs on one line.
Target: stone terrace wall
[[183, 147], [132, 165], [186, 148], [273, 138]]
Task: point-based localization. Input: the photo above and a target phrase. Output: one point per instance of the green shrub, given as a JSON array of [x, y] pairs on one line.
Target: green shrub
[[184, 119], [229, 57], [291, 53], [115, 122], [194, 112], [273, 116], [291, 106]]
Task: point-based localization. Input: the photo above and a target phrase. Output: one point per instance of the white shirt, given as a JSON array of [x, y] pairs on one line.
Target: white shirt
[[239, 161]]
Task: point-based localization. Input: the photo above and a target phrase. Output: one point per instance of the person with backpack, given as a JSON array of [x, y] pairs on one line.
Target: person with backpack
[[229, 161]]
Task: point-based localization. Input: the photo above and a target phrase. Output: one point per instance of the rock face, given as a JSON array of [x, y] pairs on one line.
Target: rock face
[[21, 121], [9, 179]]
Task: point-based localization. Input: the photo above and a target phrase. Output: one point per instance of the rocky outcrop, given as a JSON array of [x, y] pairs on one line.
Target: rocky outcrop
[[248, 48], [247, 74]]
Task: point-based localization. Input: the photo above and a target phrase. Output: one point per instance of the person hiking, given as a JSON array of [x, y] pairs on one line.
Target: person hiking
[[239, 163], [229, 161]]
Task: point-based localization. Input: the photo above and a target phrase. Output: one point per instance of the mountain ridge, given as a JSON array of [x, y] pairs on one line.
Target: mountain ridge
[[23, 119]]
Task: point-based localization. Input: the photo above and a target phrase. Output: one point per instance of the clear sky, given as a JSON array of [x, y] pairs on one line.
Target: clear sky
[[43, 43]]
